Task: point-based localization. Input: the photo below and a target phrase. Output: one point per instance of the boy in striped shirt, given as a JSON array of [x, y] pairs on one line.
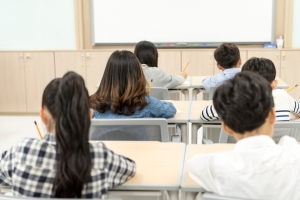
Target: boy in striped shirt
[[284, 103]]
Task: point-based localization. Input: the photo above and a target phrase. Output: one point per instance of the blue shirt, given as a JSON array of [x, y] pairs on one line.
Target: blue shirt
[[218, 79], [154, 109]]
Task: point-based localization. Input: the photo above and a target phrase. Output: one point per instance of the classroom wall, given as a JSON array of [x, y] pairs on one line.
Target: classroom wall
[[36, 24], [87, 38], [296, 24]]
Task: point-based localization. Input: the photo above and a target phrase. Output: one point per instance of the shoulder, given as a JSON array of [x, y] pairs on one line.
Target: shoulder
[[99, 154]]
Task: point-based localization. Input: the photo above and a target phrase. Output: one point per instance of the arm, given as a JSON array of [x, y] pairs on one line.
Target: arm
[[169, 81], [120, 168], [160, 109], [201, 170], [209, 113], [6, 168]]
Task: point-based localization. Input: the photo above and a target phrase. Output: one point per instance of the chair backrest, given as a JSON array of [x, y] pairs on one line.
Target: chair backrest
[[290, 128], [142, 129], [160, 93], [210, 196], [212, 92], [3, 197]]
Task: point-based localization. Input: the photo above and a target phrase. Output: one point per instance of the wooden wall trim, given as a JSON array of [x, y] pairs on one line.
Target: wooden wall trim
[[78, 9], [288, 23]]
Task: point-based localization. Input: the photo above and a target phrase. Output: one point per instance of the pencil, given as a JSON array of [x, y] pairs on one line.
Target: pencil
[[149, 90], [37, 128], [186, 65], [290, 89]]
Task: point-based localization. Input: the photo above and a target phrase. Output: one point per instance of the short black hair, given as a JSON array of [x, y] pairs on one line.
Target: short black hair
[[261, 66], [147, 53], [244, 102], [227, 55]]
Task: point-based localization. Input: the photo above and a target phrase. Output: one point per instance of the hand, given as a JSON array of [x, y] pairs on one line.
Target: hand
[[184, 74]]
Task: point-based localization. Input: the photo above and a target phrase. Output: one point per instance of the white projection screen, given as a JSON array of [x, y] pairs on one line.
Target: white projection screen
[[183, 23]]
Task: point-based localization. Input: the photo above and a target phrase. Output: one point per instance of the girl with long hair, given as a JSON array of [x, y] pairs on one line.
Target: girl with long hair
[[122, 92], [63, 164]]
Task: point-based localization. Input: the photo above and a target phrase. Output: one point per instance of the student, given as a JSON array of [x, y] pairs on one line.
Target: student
[[228, 61], [284, 103], [257, 168], [122, 92], [147, 54], [64, 164]]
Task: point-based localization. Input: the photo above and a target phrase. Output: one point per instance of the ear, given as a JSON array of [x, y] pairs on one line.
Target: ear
[[228, 130], [272, 116], [91, 113], [274, 84], [240, 62], [219, 67], [43, 116]]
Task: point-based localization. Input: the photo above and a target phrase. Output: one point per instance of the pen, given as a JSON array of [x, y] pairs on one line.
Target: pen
[[149, 90], [290, 89], [186, 65], [37, 128]]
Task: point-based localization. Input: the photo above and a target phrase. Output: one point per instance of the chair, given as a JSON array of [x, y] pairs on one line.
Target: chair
[[3, 197], [210, 196], [290, 128], [159, 93], [209, 95], [145, 129]]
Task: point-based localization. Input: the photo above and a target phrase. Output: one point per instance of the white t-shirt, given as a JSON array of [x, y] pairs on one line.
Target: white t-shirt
[[257, 168]]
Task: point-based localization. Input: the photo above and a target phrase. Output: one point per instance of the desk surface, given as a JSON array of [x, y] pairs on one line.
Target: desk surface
[[159, 165], [183, 116], [196, 109], [187, 183], [196, 82]]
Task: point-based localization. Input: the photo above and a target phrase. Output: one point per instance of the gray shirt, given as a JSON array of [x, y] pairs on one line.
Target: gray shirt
[[160, 78]]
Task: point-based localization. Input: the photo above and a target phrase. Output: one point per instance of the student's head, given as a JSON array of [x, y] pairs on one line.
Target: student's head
[[263, 67], [123, 86], [66, 113], [147, 53], [245, 105], [227, 56]]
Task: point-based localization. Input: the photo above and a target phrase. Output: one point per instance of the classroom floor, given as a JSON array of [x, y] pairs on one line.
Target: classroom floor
[[14, 128]]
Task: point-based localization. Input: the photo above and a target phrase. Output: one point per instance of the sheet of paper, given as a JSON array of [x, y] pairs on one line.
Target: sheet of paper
[[179, 111], [185, 82]]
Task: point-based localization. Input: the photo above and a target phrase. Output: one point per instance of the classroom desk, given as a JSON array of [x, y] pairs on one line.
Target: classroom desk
[[194, 118], [159, 165], [196, 84], [182, 118], [189, 188], [184, 88]]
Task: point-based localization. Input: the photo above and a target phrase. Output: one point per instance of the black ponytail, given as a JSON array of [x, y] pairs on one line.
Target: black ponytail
[[72, 122]]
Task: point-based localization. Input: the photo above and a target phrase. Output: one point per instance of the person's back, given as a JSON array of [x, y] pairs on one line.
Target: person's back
[[122, 91], [147, 54], [228, 61], [257, 168], [63, 164]]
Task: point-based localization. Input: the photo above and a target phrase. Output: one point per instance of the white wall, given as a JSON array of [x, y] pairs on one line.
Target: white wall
[[37, 24], [296, 24]]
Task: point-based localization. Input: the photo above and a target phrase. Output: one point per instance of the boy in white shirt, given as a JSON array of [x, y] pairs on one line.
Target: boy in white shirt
[[228, 61], [284, 103], [257, 168]]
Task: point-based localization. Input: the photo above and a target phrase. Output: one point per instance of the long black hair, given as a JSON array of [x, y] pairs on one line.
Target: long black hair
[[68, 102]]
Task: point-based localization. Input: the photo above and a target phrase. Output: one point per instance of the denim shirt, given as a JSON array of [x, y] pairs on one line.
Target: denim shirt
[[218, 79], [154, 109]]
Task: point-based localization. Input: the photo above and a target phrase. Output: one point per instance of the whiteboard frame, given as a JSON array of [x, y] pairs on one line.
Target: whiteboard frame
[[170, 45]]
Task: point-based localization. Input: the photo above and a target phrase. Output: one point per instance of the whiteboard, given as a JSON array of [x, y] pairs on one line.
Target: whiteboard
[[37, 24], [182, 22]]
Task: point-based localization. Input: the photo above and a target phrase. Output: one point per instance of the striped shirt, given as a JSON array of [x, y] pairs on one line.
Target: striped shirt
[[284, 105], [30, 167]]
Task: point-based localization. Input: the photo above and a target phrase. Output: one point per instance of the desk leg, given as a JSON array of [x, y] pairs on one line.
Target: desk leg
[[186, 94], [188, 195], [195, 93], [195, 128], [173, 195], [184, 132]]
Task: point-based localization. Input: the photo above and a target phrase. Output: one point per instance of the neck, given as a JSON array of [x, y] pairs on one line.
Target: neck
[[265, 129]]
